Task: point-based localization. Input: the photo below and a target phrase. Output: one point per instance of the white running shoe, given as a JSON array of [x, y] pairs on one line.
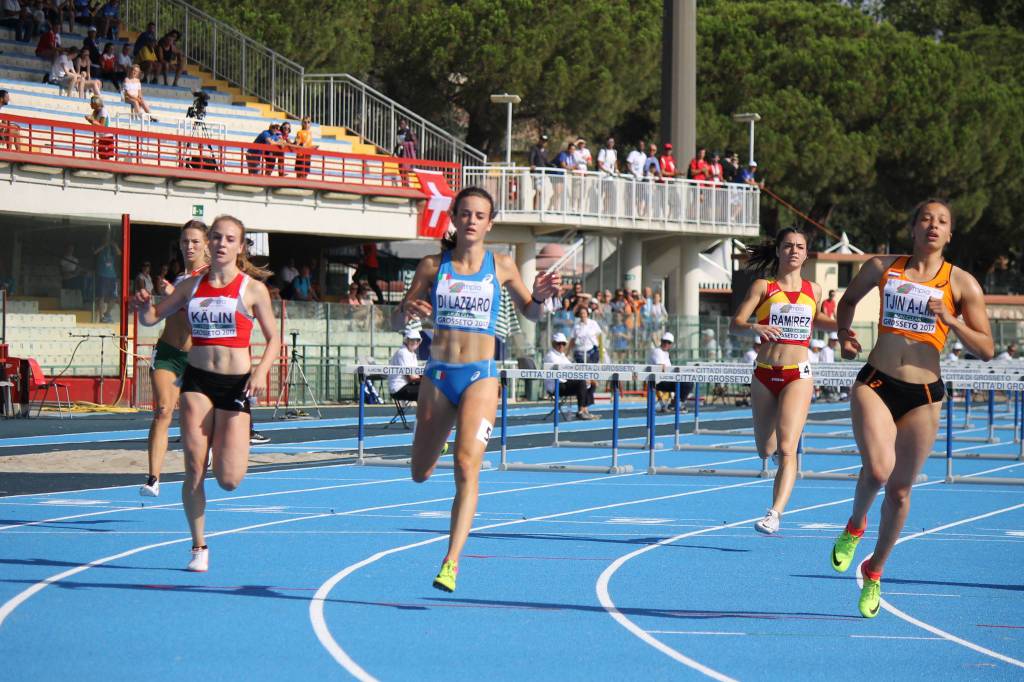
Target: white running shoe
[[200, 562], [769, 524], [150, 489]]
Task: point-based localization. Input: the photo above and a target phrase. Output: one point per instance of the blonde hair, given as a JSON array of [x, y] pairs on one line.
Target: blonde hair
[[243, 262]]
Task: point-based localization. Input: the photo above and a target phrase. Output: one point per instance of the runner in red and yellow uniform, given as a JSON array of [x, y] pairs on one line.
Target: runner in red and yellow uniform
[[897, 396], [785, 308]]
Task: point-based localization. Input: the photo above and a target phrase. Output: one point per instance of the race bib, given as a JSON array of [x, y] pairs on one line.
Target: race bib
[[213, 317], [905, 306], [794, 319], [464, 304]]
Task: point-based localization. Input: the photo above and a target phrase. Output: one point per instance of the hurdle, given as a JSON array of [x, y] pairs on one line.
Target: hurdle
[[361, 372], [614, 467], [951, 477]]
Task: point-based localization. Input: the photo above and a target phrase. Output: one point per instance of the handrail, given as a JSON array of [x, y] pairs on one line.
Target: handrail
[[555, 195], [330, 99], [118, 150]]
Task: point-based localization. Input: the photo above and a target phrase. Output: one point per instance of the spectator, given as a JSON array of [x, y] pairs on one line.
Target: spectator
[[659, 356], [619, 303], [369, 267], [72, 276], [352, 298], [49, 46], [538, 158], [109, 20], [709, 345], [146, 39], [132, 93], [636, 161], [84, 67], [698, 169], [564, 318], [17, 16], [93, 47], [746, 176], [1009, 354], [586, 337], [303, 145], [654, 314], [583, 390], [143, 281], [409, 147], [608, 159], [730, 166], [619, 337], [288, 273], [828, 351], [406, 386], [109, 69], [10, 133], [125, 61], [667, 162], [106, 277], [564, 163], [715, 172], [38, 14], [814, 354], [62, 71], [582, 156], [275, 157], [254, 157], [302, 286], [169, 56], [98, 115], [751, 355], [146, 58], [84, 11], [955, 352], [828, 306], [652, 169]]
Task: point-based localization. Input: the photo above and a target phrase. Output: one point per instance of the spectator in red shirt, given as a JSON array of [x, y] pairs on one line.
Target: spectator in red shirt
[[699, 165], [369, 267], [715, 172], [828, 306], [668, 162], [48, 45]]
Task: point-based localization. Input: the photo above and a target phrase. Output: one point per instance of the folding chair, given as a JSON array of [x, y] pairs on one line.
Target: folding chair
[[528, 363], [37, 380], [400, 407]]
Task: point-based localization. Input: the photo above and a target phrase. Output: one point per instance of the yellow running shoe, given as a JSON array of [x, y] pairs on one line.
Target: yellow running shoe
[[444, 450], [445, 579], [843, 550], [870, 597]]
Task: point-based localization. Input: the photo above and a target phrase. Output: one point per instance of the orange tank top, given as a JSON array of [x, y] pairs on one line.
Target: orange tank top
[[904, 304], [790, 311]]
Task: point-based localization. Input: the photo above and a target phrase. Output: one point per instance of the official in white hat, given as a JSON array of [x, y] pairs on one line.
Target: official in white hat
[[406, 386], [583, 390]]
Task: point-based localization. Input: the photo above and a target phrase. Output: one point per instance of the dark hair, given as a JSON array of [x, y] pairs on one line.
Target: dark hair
[[764, 258], [916, 215], [3, 93], [449, 240]]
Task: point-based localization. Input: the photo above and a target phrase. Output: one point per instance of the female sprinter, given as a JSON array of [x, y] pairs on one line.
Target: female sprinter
[[785, 307], [461, 288], [219, 378], [895, 402], [171, 354]]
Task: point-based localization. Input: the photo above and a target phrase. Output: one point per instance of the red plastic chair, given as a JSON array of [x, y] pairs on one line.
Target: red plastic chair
[[37, 380]]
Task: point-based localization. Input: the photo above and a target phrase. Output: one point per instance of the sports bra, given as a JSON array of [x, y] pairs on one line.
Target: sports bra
[[904, 304], [218, 315], [791, 311], [466, 303]]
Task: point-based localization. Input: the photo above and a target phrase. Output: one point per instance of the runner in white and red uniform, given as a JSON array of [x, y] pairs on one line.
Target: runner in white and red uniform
[[221, 306]]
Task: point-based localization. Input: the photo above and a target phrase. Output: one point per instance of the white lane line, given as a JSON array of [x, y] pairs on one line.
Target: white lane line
[[695, 632], [939, 639], [13, 603], [316, 605], [924, 594], [931, 628]]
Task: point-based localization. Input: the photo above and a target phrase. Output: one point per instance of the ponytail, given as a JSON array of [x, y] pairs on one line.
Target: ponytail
[[763, 259], [242, 261], [450, 239]]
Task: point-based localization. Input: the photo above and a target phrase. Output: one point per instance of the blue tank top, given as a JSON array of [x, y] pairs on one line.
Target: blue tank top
[[466, 303]]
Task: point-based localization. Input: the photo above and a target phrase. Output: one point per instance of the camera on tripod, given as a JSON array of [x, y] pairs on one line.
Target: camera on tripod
[[199, 103]]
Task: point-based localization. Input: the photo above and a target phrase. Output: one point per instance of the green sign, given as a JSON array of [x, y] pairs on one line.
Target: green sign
[[197, 210]]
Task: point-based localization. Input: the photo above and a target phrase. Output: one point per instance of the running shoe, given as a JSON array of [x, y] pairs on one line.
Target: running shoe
[[257, 438], [769, 524], [843, 550], [445, 579], [200, 562], [870, 597], [444, 450], [150, 488]]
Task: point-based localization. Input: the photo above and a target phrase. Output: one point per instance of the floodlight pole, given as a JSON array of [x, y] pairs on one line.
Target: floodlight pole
[[751, 119], [507, 100]]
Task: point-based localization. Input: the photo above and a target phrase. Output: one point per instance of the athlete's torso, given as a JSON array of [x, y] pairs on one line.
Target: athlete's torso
[[465, 309], [176, 330], [221, 325], [793, 313]]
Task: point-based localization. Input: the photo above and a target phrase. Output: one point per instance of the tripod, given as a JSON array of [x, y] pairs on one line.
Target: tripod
[[294, 365]]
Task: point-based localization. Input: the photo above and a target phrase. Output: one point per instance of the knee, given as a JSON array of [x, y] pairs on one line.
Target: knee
[[228, 482], [898, 496], [421, 475], [466, 469], [162, 413], [876, 475]]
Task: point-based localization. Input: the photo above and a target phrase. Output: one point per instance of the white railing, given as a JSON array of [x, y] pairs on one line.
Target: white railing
[[190, 127], [129, 120], [375, 117], [329, 99], [583, 198]]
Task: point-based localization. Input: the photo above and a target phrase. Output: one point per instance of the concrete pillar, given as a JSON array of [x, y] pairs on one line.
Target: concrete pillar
[[686, 301], [526, 261], [679, 77], [632, 262]]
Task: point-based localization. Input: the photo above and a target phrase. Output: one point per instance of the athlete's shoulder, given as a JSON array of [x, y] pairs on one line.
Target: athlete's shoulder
[[962, 280], [429, 265], [879, 264]]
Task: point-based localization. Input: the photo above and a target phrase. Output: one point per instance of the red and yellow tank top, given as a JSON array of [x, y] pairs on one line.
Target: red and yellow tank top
[[790, 311], [218, 315], [904, 304]]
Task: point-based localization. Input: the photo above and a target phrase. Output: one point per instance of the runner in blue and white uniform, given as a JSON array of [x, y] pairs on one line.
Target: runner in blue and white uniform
[[461, 289]]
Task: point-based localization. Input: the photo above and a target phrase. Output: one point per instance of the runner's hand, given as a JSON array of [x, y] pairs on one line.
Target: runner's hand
[[767, 332], [142, 300], [546, 285], [416, 309], [257, 385], [941, 312], [849, 345]]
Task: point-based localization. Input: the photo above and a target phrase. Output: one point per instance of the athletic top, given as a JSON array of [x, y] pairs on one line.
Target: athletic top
[[185, 275], [904, 304], [790, 311], [466, 303], [218, 316]]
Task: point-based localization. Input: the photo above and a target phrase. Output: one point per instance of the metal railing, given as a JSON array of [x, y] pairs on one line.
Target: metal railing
[[60, 143], [573, 197], [329, 99], [348, 102]]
